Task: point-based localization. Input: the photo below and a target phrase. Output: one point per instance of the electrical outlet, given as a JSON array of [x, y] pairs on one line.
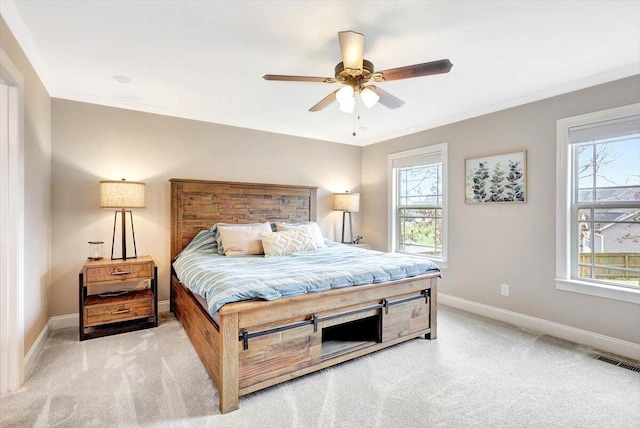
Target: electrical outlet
[[504, 289]]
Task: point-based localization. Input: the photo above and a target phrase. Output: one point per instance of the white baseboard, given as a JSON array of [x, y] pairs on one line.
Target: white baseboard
[[56, 323], [163, 306], [35, 351], [584, 337], [64, 321]]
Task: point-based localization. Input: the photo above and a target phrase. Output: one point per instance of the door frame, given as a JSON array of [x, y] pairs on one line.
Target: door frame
[[11, 226]]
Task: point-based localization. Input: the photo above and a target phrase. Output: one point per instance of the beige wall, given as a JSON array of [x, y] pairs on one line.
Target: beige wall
[[93, 143], [513, 244], [37, 187]]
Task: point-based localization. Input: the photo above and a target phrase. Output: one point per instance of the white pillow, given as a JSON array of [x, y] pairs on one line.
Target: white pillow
[[318, 239], [241, 240], [287, 242]]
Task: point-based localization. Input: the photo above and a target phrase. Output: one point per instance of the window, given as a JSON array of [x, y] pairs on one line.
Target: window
[[599, 203], [418, 201]]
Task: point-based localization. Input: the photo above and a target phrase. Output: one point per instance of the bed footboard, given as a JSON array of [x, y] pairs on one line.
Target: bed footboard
[[255, 345]]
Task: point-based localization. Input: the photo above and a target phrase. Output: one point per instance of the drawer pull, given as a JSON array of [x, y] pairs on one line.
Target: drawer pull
[[124, 311], [126, 272]]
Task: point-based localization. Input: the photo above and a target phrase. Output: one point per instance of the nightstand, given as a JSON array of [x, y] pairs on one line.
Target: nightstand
[[363, 246], [106, 313]]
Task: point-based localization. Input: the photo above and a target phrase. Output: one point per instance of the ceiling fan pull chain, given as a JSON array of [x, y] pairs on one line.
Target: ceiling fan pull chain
[[354, 123], [355, 113]]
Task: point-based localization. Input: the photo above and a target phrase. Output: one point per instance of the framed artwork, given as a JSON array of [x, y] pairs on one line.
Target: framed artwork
[[498, 178]]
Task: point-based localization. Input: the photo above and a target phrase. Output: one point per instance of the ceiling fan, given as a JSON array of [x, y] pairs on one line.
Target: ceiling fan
[[354, 71]]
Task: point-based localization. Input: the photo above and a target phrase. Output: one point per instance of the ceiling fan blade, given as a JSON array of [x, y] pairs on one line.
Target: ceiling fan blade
[[416, 70], [352, 47], [325, 102], [298, 78], [386, 99]]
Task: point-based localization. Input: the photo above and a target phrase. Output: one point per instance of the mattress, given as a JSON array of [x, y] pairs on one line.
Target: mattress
[[221, 279]]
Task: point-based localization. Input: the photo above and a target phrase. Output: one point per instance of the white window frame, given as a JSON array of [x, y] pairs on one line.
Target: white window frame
[[564, 280], [437, 149]]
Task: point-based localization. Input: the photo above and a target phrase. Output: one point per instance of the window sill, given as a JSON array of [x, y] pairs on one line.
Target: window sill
[[441, 263], [599, 290]]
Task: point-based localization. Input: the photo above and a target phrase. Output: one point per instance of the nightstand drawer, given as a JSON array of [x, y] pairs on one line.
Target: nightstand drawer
[[105, 310], [120, 272]]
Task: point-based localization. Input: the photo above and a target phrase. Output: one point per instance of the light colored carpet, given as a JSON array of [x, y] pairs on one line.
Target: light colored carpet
[[478, 373]]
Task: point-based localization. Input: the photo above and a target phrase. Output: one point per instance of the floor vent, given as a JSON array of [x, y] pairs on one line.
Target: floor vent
[[615, 362]]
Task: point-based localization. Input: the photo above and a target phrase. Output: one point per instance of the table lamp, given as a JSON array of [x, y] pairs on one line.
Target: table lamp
[[347, 203], [122, 195]]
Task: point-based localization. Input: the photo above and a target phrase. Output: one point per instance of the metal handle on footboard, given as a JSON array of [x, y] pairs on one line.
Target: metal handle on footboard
[[315, 319]]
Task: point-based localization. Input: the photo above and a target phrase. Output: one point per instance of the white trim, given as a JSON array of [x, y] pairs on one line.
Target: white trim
[[552, 92], [57, 323], [564, 281], [163, 306], [36, 349], [577, 85], [12, 229], [23, 37], [441, 149], [584, 337], [64, 321], [599, 290]]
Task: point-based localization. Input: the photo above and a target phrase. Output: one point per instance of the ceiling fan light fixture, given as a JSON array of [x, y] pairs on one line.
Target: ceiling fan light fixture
[[353, 72], [344, 94], [369, 98], [348, 105]]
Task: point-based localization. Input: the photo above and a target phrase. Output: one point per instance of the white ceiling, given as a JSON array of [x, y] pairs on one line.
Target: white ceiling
[[204, 60]]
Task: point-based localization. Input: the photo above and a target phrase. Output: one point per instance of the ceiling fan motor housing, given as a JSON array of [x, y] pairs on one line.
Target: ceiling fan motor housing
[[348, 77]]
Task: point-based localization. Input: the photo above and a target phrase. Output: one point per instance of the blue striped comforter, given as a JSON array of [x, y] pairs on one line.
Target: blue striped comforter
[[222, 279]]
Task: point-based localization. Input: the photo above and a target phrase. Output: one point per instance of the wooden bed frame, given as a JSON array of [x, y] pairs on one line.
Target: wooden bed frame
[[253, 345]]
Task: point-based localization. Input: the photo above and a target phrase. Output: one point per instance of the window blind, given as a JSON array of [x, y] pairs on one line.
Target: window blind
[[621, 127], [432, 158]]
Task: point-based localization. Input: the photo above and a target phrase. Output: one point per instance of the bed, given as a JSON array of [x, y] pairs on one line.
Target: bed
[[250, 345]]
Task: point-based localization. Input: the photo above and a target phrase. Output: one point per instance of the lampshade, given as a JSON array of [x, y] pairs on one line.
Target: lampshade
[[122, 194], [352, 46], [349, 202], [369, 98]]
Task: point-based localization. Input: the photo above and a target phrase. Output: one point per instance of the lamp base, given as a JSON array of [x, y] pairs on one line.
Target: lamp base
[[124, 236], [344, 213]]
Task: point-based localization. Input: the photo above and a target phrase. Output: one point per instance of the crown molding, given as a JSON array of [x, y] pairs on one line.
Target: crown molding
[[22, 35], [576, 85]]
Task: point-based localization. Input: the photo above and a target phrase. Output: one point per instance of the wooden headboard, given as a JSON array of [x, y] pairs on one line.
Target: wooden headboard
[[197, 205]]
